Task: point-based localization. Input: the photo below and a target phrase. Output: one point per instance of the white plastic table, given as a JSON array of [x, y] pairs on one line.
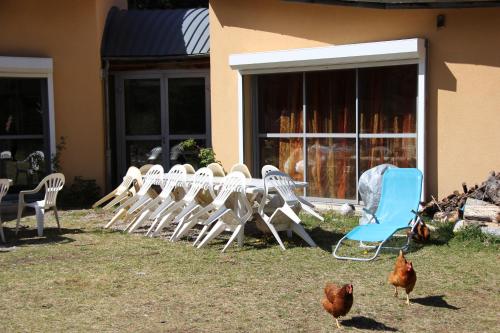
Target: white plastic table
[[255, 186]]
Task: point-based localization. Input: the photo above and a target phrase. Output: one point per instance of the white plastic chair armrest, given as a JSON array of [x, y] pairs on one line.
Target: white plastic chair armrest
[[28, 192]]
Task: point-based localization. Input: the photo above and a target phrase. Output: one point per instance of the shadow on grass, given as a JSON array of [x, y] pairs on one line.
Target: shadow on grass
[[29, 236], [365, 323], [435, 301]]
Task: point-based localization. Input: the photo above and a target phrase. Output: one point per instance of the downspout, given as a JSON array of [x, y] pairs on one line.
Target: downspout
[[106, 125]]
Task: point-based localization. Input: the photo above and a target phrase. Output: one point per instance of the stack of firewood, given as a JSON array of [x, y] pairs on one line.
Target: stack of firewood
[[482, 202]]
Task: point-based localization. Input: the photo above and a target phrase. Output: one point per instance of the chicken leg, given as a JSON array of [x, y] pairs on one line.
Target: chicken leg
[[407, 299], [338, 324], [395, 291]]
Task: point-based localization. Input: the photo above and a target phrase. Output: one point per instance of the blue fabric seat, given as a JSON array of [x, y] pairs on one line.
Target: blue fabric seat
[[401, 191]]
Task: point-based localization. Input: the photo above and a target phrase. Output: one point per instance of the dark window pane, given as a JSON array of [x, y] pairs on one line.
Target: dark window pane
[[142, 106], [285, 154], [186, 105], [400, 152], [331, 168], [331, 101], [280, 103], [143, 152], [23, 161], [388, 99], [22, 105]]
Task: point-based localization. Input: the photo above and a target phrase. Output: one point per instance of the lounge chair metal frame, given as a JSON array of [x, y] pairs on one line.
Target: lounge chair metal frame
[[392, 180]]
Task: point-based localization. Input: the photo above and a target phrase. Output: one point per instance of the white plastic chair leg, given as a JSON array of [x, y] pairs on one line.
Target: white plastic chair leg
[[186, 226], [200, 236], [299, 230], [218, 228], [139, 220], [312, 212], [165, 221], [115, 218], [57, 219], [288, 211], [233, 236], [39, 220], [276, 235], [116, 201], [103, 199]]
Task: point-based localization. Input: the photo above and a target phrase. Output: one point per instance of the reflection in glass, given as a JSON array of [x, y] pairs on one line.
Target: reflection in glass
[[23, 161], [286, 154], [331, 101], [186, 105], [331, 168], [388, 99], [280, 103], [22, 105], [143, 152], [142, 106], [400, 152]]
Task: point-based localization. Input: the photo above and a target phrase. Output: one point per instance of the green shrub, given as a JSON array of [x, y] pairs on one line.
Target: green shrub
[[196, 155]]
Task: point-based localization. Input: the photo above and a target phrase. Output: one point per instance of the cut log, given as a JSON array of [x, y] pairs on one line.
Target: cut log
[[480, 210]]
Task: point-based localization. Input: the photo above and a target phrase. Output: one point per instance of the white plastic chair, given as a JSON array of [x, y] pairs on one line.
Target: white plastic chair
[[175, 178], [53, 183], [217, 169], [285, 217], [4, 188], [153, 177], [202, 182], [189, 168], [123, 190], [268, 168], [241, 168], [226, 218], [145, 168]]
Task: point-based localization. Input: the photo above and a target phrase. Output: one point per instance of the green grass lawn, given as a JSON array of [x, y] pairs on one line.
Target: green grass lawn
[[88, 279]]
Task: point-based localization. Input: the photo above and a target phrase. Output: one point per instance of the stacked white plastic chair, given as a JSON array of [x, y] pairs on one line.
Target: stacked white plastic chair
[[202, 181], [123, 191], [154, 209], [241, 168], [4, 188], [284, 217], [231, 219], [126, 210], [52, 183]]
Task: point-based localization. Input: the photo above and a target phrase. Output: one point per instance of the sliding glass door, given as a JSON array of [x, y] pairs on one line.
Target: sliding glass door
[[327, 127], [155, 112]]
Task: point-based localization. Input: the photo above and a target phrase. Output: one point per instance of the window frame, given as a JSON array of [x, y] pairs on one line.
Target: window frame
[[165, 137], [351, 56], [35, 68]]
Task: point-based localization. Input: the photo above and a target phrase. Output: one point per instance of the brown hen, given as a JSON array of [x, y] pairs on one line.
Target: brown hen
[[337, 300], [403, 276]]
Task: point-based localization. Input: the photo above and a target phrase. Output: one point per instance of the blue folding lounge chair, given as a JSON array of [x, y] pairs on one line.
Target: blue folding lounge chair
[[400, 198]]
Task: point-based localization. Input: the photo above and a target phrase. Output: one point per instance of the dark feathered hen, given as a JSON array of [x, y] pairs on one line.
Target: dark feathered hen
[[338, 300]]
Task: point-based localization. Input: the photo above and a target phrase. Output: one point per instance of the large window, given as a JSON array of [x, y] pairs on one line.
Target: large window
[[24, 143], [327, 127]]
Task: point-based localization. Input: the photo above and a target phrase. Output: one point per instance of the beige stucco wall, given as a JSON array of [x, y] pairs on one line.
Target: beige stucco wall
[[463, 111], [70, 33]]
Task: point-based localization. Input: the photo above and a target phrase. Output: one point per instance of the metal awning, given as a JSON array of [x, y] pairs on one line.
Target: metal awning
[[156, 34]]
